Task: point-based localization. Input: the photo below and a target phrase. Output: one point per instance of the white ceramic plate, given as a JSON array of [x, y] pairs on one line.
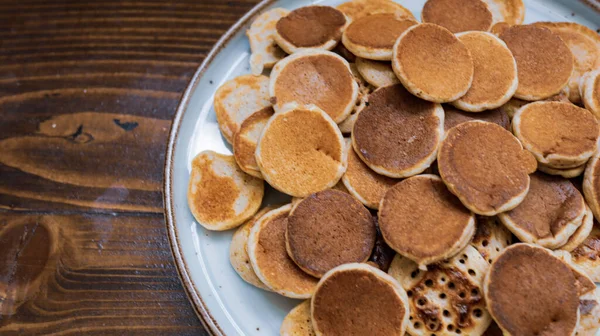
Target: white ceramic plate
[[225, 303]]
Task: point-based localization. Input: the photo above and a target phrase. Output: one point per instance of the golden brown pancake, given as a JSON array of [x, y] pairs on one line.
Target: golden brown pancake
[[454, 116], [564, 172], [420, 219], [328, 229], [432, 63], [485, 166], [398, 134], [591, 184], [458, 15], [587, 254], [495, 77], [376, 73], [373, 37], [550, 213], [358, 299], [246, 140], [491, 237], [511, 12], [582, 232], [544, 62], [316, 27], [220, 195], [320, 78], [301, 151], [297, 322], [499, 27], [512, 106], [590, 90], [559, 135], [265, 52], [357, 9], [269, 258], [528, 291]]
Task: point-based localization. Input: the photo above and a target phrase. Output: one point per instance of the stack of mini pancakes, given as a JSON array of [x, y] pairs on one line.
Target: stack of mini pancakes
[[444, 174]]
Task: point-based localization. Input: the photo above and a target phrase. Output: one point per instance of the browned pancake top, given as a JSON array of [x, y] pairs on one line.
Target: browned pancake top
[[397, 130], [420, 218], [246, 139], [455, 116], [357, 302], [531, 292], [311, 26], [378, 30], [328, 229], [458, 15]]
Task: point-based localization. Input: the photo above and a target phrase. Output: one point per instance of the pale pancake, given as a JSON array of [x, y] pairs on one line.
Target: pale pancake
[[510, 11], [550, 213], [301, 151], [528, 291], [458, 15], [485, 166], [564, 172], [591, 185], [398, 134], [454, 116], [544, 61], [265, 51], [220, 195], [246, 140], [591, 92], [589, 308], [432, 63], [347, 237], [357, 9], [421, 220], [491, 237], [447, 298], [376, 73], [269, 258], [495, 78], [587, 254], [321, 78], [237, 99], [358, 299], [582, 232], [559, 135], [297, 322], [373, 36]]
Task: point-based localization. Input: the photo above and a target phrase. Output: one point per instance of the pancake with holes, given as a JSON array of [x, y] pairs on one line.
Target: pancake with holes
[[528, 291], [301, 151], [495, 78], [583, 231], [265, 51], [447, 298], [564, 172], [544, 62], [590, 92], [591, 184], [446, 77], [376, 73], [398, 134], [357, 9], [373, 37], [491, 237], [559, 135], [347, 237], [269, 258], [310, 27], [321, 78], [587, 254], [550, 213], [420, 219], [237, 99], [511, 12], [454, 116], [358, 299], [458, 15], [297, 322], [220, 195], [246, 140]]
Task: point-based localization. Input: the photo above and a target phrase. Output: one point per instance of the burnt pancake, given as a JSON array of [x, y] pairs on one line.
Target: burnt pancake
[[376, 73], [491, 237], [246, 140], [297, 322], [458, 15], [454, 116], [590, 91], [587, 254], [356, 9], [261, 35]]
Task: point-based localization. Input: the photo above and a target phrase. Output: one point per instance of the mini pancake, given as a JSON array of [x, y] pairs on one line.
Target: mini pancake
[[585, 46], [582, 232], [373, 36], [591, 92], [589, 308], [310, 27], [587, 255], [564, 172], [499, 27], [550, 213], [297, 322], [449, 74], [220, 195], [583, 283], [454, 116], [528, 291], [495, 78], [512, 106], [544, 61], [246, 140], [269, 258], [559, 135], [238, 253], [357, 9], [421, 220], [485, 166], [364, 90], [491, 237], [301, 151], [511, 12], [237, 99], [398, 134], [321, 78], [371, 299], [458, 15], [376, 73], [447, 298], [345, 53], [591, 184], [363, 183], [265, 52]]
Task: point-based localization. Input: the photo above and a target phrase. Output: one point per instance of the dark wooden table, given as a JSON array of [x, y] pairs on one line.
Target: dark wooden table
[[87, 93]]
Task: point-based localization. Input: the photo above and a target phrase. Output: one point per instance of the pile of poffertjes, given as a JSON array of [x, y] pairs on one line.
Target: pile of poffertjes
[[444, 174]]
